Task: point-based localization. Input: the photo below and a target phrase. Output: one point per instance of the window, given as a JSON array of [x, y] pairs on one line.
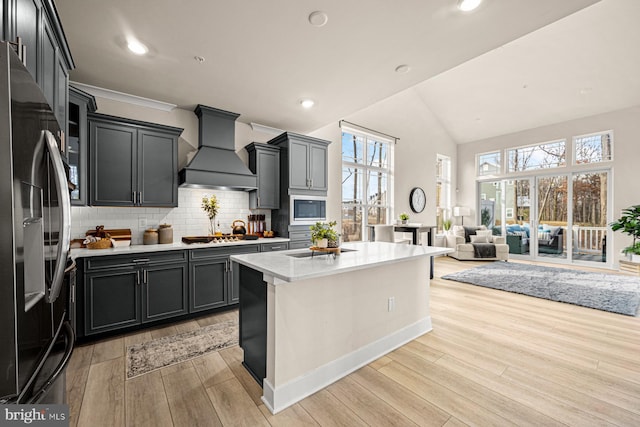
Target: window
[[489, 163], [541, 156], [443, 189], [593, 148], [366, 182]]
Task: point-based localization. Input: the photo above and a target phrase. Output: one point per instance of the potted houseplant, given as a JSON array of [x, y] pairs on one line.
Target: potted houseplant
[[446, 225], [404, 217], [210, 206], [323, 235], [629, 223]]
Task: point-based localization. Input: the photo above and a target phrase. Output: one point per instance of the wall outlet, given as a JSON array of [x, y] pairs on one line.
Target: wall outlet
[[142, 222], [391, 304]]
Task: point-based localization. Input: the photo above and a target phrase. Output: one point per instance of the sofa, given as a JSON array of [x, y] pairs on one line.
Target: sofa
[[462, 240], [550, 240], [518, 243]]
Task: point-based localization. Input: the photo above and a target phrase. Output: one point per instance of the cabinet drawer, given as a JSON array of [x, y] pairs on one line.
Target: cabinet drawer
[[299, 244], [300, 235], [196, 254], [131, 260], [269, 247]]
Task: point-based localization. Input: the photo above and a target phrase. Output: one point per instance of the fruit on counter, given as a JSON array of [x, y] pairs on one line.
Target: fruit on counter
[[268, 234]]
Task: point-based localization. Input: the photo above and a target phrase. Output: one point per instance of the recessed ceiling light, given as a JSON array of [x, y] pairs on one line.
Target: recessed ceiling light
[[318, 18], [136, 47], [307, 103], [402, 69], [468, 5]]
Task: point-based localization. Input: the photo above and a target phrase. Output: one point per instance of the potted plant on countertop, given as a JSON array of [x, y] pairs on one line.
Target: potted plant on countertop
[[323, 235], [404, 218], [210, 206], [629, 223]]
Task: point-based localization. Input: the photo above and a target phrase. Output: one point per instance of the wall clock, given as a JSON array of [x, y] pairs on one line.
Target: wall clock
[[417, 199]]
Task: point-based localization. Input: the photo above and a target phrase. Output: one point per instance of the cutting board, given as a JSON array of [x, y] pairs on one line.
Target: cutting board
[[116, 233]]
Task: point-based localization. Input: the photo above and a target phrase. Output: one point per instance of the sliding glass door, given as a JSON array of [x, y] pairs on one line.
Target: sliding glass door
[[551, 218]]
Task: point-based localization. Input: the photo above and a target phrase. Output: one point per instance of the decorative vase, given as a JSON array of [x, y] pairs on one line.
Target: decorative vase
[[635, 258], [322, 243], [404, 221]]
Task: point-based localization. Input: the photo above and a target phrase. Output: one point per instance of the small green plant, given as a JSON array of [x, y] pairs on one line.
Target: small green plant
[[404, 216], [210, 206], [629, 223], [446, 224], [324, 230]]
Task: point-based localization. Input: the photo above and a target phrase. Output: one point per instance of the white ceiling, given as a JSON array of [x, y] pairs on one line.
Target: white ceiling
[[263, 57]]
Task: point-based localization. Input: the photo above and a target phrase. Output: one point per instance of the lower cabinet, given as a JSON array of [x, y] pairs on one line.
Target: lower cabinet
[[211, 283], [123, 291]]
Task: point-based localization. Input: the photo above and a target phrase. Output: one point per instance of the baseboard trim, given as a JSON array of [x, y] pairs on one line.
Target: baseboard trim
[[277, 399]]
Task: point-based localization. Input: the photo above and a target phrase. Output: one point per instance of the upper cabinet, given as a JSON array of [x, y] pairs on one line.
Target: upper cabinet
[[264, 161], [47, 58], [303, 163], [132, 163], [80, 103]]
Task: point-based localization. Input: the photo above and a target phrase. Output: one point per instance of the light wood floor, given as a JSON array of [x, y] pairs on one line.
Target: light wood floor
[[493, 359]]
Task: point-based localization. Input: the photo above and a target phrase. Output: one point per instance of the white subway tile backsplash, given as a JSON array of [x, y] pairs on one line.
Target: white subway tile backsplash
[[187, 219]]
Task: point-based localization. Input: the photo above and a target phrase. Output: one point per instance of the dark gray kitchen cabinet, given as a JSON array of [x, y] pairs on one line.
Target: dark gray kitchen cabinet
[[80, 103], [132, 163], [128, 290], [112, 300], [264, 161], [47, 58], [208, 283], [303, 163], [211, 283], [270, 247]]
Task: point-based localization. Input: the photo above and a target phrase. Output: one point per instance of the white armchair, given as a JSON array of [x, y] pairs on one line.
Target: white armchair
[[460, 240], [385, 233]]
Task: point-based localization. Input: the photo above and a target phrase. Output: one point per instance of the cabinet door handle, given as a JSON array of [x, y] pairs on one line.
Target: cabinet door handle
[[138, 277], [146, 277], [273, 248], [139, 197], [133, 197], [141, 260]]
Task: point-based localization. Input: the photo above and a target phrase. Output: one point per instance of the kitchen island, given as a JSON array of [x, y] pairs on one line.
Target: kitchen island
[[306, 322]]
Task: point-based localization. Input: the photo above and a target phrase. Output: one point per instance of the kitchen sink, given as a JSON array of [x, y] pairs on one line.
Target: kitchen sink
[[309, 254]]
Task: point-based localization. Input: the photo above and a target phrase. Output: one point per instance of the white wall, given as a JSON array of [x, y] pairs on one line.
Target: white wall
[[422, 137], [626, 152]]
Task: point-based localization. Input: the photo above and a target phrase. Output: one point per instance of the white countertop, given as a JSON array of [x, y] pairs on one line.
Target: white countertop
[[136, 249], [366, 255]]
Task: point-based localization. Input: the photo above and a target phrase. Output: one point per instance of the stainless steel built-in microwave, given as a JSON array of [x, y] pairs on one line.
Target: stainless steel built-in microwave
[[308, 209]]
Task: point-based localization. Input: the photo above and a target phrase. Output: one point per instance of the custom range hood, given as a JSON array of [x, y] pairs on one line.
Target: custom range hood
[[216, 164]]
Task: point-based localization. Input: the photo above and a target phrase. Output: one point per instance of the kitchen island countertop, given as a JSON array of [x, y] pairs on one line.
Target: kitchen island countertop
[[288, 266], [136, 249]]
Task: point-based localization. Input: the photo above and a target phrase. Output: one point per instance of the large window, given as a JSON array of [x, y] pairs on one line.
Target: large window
[[489, 163], [541, 156], [366, 182], [443, 189], [593, 148]]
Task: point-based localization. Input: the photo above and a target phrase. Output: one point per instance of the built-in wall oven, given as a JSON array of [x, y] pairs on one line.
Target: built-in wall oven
[[307, 210]]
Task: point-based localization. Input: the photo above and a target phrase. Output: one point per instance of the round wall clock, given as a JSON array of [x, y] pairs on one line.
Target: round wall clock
[[417, 199]]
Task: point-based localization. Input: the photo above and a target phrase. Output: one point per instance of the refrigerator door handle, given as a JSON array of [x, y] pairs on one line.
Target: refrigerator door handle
[[69, 337], [65, 216]]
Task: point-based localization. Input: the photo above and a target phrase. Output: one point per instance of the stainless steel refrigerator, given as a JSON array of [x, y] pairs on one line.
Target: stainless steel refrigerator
[[36, 341]]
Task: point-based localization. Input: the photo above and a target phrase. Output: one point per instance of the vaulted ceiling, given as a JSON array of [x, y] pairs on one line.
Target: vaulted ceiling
[[509, 65]]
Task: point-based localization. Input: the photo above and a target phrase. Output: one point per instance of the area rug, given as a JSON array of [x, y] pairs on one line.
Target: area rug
[[159, 353], [608, 292]]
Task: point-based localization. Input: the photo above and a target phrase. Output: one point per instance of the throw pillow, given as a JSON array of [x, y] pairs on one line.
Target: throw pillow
[[469, 231], [479, 239], [544, 235], [488, 234]]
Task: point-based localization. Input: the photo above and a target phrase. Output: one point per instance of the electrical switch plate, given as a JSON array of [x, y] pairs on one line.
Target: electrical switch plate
[[142, 222], [392, 304]]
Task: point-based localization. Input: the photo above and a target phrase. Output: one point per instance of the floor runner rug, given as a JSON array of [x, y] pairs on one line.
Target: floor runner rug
[[159, 353]]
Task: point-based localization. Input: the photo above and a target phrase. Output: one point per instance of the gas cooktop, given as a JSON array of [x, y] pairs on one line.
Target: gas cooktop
[[225, 238]]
